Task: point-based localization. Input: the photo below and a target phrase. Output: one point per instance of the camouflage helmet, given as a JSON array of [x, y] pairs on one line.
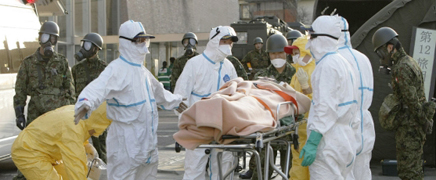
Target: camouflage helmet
[[95, 39], [294, 34], [190, 35], [388, 112], [382, 36], [49, 27], [257, 40], [276, 43]]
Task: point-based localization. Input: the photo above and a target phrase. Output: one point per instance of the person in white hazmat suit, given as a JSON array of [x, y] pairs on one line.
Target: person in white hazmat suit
[[132, 94], [330, 148], [203, 75], [365, 127]]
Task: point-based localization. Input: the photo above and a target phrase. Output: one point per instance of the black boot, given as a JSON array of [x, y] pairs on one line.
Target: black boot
[[247, 174]]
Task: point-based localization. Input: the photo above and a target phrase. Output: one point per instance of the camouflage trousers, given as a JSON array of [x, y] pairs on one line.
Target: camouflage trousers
[[282, 148], [409, 144], [100, 145]]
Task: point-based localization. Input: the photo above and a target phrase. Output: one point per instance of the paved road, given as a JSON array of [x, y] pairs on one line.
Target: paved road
[[171, 163]]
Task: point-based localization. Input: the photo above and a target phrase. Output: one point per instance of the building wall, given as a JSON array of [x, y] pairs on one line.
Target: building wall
[[283, 9], [169, 20], [176, 16]]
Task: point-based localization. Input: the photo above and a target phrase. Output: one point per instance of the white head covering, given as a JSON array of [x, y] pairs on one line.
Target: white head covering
[[344, 38], [215, 36], [321, 45], [128, 49]]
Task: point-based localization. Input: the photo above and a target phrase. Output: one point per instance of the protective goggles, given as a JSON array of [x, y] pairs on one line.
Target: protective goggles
[[139, 40], [191, 41], [313, 36], [86, 45], [233, 38], [46, 37]]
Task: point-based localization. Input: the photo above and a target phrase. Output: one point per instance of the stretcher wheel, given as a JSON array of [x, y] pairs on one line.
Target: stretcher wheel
[[207, 151], [177, 147]]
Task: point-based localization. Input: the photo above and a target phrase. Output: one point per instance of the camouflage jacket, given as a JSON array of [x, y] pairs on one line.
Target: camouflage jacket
[[179, 64], [238, 67], [271, 72], [44, 79], [408, 86], [257, 60], [86, 71]]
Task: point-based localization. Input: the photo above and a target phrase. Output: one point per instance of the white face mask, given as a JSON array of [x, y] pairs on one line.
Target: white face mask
[[226, 49], [278, 62], [295, 58], [142, 48]]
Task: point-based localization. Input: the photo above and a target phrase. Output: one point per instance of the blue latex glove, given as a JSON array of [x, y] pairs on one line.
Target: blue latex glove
[[309, 150]]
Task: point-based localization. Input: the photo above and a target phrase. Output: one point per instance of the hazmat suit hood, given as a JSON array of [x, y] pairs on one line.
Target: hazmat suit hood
[[98, 120], [344, 38], [300, 43], [212, 51], [129, 50], [327, 32]]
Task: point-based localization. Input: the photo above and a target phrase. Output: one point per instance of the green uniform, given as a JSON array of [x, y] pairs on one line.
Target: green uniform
[[285, 76], [170, 70], [83, 73], [408, 86], [271, 72], [47, 82], [238, 67], [258, 61], [179, 64], [164, 77], [86, 71]]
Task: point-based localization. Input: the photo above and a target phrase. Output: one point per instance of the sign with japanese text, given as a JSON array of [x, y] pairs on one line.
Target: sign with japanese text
[[424, 54]]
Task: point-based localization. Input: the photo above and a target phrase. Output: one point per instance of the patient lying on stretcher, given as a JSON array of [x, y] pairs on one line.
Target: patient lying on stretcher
[[239, 108]]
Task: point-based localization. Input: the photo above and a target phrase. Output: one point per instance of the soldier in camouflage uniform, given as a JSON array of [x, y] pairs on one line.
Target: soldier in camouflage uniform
[[408, 88], [87, 70], [257, 58], [189, 41], [45, 77], [238, 67], [279, 70], [271, 72]]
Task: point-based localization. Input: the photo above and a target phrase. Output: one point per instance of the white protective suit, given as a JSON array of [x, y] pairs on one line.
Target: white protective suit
[[333, 104], [132, 94], [365, 127], [201, 76]]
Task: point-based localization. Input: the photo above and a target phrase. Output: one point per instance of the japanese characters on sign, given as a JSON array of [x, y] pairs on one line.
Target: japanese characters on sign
[[424, 53]]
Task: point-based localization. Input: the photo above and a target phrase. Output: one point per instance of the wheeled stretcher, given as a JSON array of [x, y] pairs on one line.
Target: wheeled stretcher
[[254, 143]]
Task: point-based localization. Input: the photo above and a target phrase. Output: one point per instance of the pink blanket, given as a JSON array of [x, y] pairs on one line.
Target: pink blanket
[[239, 108]]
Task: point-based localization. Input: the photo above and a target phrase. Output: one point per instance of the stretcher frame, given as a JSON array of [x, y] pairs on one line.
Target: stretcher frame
[[254, 143]]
